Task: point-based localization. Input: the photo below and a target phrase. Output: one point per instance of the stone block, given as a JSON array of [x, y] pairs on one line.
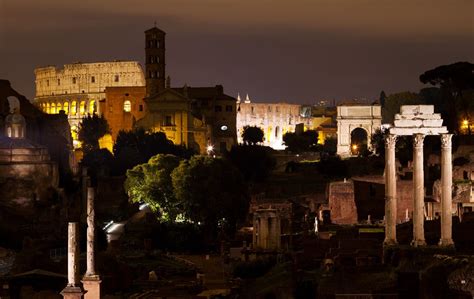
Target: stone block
[[432, 123], [414, 130], [416, 109], [408, 123], [419, 116]]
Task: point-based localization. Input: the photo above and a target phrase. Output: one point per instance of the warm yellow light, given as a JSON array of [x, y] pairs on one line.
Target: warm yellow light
[[465, 122], [354, 146], [210, 148]]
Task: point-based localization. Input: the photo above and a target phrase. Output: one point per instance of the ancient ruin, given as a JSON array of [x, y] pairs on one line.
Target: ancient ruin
[[73, 289], [418, 121], [266, 229]]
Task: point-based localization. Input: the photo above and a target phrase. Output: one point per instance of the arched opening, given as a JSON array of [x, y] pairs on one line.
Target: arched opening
[[92, 107], [73, 108], [359, 140], [47, 108], [53, 108], [82, 108], [66, 107]]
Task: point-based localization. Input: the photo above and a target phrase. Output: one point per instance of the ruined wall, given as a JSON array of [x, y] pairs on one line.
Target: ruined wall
[[342, 203]]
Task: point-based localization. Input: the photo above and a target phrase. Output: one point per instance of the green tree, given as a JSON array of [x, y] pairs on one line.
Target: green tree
[[151, 183], [456, 82], [212, 192], [91, 129], [252, 135], [255, 162], [138, 146], [304, 142]]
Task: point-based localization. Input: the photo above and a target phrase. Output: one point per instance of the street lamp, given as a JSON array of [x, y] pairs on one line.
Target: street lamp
[[210, 149]]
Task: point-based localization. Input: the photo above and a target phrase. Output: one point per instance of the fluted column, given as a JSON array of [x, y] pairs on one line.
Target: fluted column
[[446, 191], [418, 191], [390, 191]]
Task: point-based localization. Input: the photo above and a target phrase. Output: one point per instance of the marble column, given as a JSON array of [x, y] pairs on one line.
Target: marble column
[[446, 191], [390, 191], [73, 289], [91, 280], [418, 191]]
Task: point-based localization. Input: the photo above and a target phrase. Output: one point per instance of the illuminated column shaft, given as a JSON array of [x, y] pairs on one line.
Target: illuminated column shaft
[[73, 255], [418, 191], [446, 191], [390, 191], [90, 232]]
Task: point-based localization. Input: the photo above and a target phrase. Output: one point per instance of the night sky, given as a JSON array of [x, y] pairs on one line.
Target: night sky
[[274, 50]]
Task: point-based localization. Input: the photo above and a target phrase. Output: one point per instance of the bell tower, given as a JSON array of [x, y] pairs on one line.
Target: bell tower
[[155, 60]]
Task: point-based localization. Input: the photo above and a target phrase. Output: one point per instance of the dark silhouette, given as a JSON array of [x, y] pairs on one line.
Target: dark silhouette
[[252, 135], [91, 129], [304, 142]]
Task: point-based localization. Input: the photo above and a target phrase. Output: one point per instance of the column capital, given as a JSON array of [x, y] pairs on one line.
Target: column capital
[[446, 140], [390, 140], [418, 140]]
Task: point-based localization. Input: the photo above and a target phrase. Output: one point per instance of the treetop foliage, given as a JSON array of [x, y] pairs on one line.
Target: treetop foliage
[[252, 135]]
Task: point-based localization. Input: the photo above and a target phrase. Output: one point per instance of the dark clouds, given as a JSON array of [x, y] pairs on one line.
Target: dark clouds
[[297, 51]]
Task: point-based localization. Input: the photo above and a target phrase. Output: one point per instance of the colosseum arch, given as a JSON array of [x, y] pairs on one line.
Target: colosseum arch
[[352, 122]]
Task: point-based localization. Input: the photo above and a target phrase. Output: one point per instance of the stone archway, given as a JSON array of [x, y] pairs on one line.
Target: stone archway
[[359, 141], [351, 118]]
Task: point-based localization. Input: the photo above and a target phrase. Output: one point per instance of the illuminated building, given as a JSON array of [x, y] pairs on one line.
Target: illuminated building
[[276, 119], [78, 88]]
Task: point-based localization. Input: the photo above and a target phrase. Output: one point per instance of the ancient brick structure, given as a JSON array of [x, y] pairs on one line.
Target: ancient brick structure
[[78, 88]]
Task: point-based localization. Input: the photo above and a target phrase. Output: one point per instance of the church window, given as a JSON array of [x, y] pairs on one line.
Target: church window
[[157, 74], [252, 109], [157, 59], [152, 59], [53, 108], [277, 131], [116, 79], [73, 108], [66, 107], [228, 108], [92, 107], [269, 108], [82, 107], [73, 80], [157, 44], [127, 106], [151, 74], [218, 108], [59, 81], [140, 107], [93, 79]]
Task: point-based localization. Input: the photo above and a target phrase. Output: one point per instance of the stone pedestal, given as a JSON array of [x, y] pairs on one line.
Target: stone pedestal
[[72, 292], [418, 191], [390, 191], [91, 285], [446, 191]]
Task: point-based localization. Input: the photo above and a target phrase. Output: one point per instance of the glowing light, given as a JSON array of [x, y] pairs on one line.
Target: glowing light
[[224, 128], [465, 122], [354, 147], [210, 148]]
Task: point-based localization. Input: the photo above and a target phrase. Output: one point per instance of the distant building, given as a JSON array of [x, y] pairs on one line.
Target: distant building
[[202, 118], [78, 88], [276, 119]]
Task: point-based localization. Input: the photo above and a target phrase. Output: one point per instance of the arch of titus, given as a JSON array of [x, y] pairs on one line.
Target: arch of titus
[[418, 121], [349, 118]]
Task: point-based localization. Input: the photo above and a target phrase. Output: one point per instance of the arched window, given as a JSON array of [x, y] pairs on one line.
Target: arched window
[[59, 107], [53, 108], [47, 108], [82, 107], [73, 108], [66, 107], [127, 106], [92, 108]]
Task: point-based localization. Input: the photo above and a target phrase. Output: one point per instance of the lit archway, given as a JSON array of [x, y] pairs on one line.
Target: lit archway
[[92, 107], [82, 107], [53, 108], [359, 141], [73, 108], [66, 107], [127, 106]]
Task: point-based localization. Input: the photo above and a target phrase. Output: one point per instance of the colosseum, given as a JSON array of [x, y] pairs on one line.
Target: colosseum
[[78, 88]]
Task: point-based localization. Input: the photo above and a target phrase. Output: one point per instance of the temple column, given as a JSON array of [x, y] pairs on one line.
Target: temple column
[[418, 191], [91, 281], [446, 191], [73, 289], [390, 191]]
